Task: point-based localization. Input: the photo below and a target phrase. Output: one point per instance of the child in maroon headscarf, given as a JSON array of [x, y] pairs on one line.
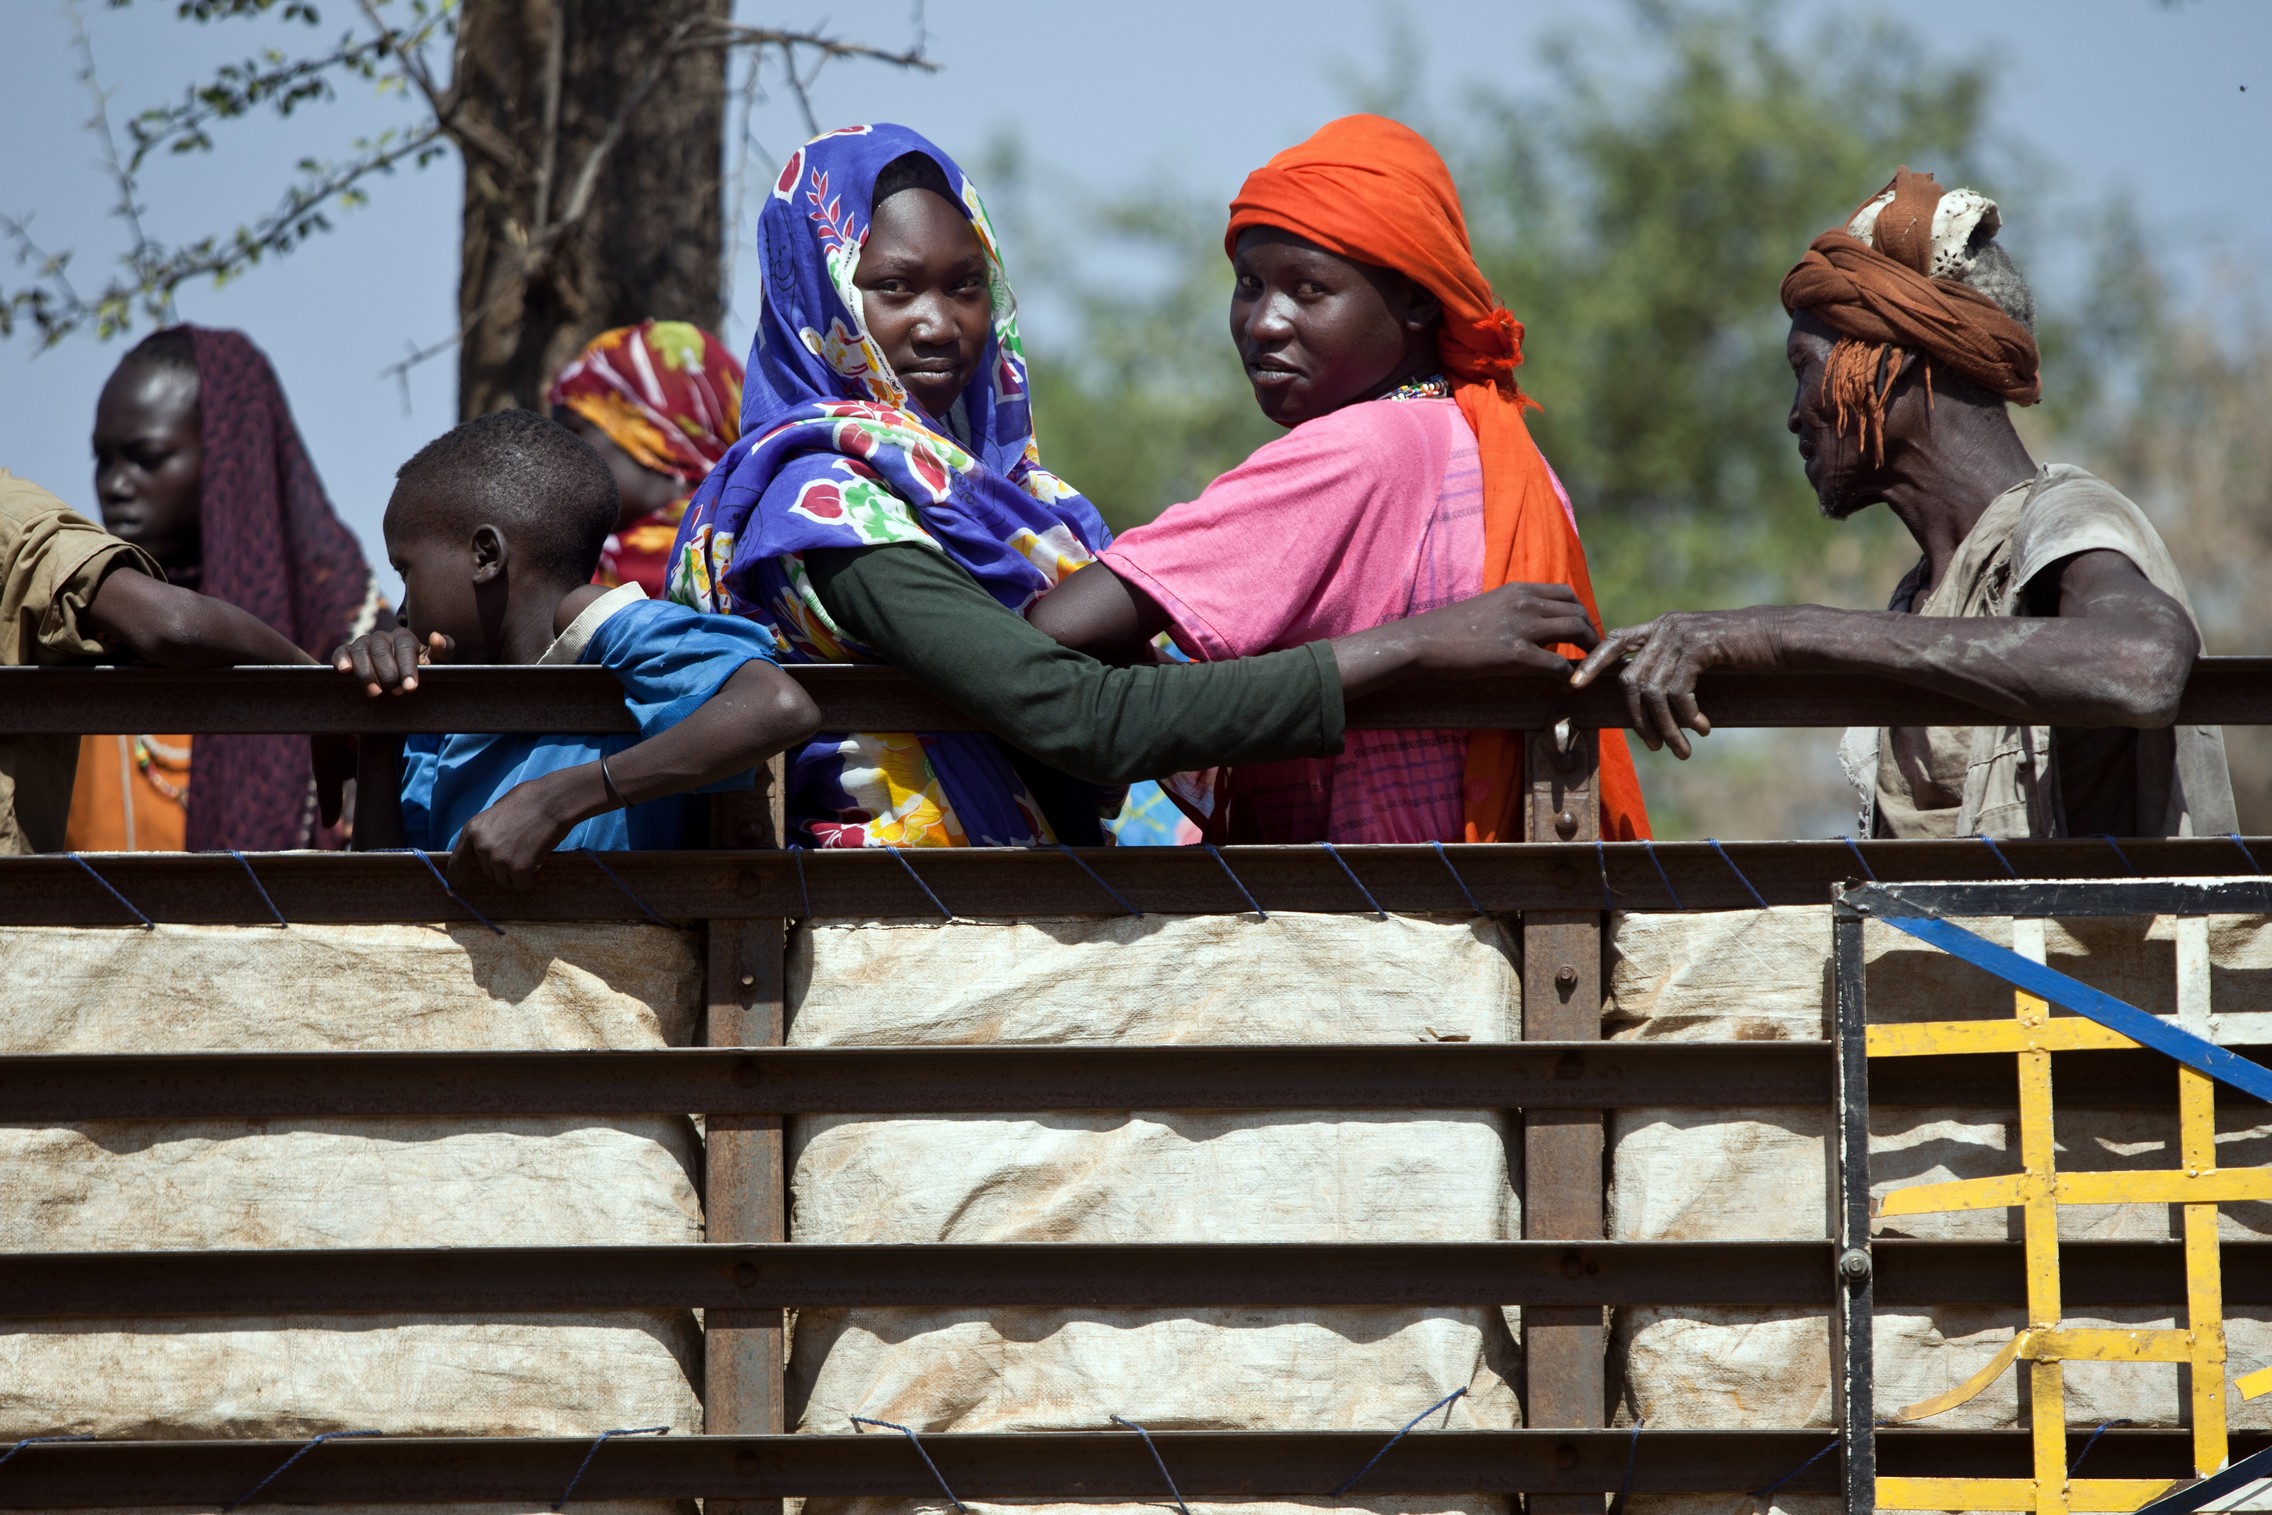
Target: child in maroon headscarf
[[198, 463]]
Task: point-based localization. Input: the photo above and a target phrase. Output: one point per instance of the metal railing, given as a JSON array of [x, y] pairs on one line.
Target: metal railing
[[1556, 893]]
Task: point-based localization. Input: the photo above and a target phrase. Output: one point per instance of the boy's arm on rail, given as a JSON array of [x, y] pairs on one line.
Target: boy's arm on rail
[[2113, 650]]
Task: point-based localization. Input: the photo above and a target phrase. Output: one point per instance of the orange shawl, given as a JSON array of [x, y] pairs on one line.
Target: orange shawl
[[1367, 188]]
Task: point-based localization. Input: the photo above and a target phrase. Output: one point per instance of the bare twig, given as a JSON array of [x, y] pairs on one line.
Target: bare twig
[[555, 56], [129, 208]]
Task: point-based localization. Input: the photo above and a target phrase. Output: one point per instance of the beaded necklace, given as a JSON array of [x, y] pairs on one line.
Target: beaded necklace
[[1433, 387]]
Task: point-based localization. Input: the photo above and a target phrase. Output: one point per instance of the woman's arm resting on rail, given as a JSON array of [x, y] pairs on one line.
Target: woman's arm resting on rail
[[756, 713], [2117, 653], [172, 627], [1096, 611]]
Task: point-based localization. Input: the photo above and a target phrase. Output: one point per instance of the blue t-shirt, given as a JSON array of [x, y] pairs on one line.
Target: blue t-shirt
[[669, 659]]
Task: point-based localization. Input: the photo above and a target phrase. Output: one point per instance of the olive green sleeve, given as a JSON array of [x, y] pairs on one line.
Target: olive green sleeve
[[1107, 725]]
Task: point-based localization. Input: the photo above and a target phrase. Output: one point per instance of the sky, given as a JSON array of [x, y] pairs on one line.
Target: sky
[[2166, 103]]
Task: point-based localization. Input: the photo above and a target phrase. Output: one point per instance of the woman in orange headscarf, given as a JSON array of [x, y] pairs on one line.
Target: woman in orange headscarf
[[1407, 481]]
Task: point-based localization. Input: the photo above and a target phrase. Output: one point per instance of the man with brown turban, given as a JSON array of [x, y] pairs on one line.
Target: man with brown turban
[[2042, 593]]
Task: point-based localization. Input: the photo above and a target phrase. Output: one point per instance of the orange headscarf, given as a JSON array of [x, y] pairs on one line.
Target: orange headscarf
[[1368, 188]]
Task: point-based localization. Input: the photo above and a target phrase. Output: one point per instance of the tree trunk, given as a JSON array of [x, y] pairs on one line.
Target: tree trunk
[[542, 82]]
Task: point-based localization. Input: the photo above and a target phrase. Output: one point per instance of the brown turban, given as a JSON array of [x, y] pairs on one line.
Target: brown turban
[[1884, 303]]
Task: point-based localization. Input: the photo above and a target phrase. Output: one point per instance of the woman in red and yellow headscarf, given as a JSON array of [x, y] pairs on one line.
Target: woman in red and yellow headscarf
[[660, 403], [1406, 481]]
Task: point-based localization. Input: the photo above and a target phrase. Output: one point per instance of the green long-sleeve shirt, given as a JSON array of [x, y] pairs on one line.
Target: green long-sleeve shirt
[[1107, 725]]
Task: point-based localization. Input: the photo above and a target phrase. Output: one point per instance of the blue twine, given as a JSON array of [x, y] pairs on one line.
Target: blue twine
[[2007, 862], [2086, 1451], [246, 864], [908, 1432], [1216, 853], [420, 854], [1399, 1436], [1756, 897], [2117, 846], [34, 1440], [147, 923], [1173, 1491], [1469, 894], [1117, 897], [926, 888], [1768, 1492], [1335, 853], [626, 888], [599, 1442], [1601, 865], [1860, 861], [1672, 893], [1632, 1460], [2234, 838], [803, 894], [312, 1443]]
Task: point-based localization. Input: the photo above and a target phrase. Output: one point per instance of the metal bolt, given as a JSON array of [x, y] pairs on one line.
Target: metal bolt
[[745, 1275], [1853, 1265], [1565, 824], [745, 1072], [1565, 978]]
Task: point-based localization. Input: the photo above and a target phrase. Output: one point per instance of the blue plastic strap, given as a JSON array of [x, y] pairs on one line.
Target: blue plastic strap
[[1157, 1459], [312, 1443], [2234, 838], [1601, 866], [2007, 862], [1762, 1495], [1335, 853], [926, 888], [147, 923], [2086, 1451], [2048, 984], [626, 888], [1860, 861], [1252, 904], [1117, 897], [598, 1442], [2126, 867], [1440, 1404], [803, 894], [2239, 1476], [1465, 892], [1632, 1461], [420, 854], [1670, 892], [908, 1432], [246, 864], [1756, 897]]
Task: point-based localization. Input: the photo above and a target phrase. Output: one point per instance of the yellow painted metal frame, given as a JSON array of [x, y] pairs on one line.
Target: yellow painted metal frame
[[2038, 1189]]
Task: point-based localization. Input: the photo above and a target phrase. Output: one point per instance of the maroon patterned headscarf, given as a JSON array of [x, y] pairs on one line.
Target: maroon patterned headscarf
[[273, 546]]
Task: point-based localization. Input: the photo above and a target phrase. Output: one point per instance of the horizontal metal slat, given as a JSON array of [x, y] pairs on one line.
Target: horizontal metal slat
[[1076, 1464], [1016, 882], [476, 1281], [61, 1087], [2222, 691], [911, 1080]]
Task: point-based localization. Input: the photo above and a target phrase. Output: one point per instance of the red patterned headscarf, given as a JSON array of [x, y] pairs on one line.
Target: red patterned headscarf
[[273, 546], [666, 392]]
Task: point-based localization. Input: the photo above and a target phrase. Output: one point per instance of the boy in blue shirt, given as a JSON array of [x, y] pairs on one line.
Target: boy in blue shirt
[[495, 528]]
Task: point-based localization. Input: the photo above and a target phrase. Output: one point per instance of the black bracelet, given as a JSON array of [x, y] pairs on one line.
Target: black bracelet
[[613, 793]]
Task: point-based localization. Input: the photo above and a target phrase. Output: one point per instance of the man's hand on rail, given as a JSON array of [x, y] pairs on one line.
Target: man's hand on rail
[[387, 660], [1667, 656], [1514, 628]]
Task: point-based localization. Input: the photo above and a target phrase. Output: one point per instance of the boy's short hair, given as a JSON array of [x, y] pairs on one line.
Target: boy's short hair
[[171, 349], [526, 474]]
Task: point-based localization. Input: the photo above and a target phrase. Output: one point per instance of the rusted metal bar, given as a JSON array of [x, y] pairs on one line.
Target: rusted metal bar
[[1009, 881], [955, 1080], [533, 1471], [745, 1196], [1564, 1346], [755, 1082], [2222, 691]]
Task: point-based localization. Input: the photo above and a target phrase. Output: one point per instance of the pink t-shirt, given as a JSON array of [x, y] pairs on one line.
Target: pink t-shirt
[[1361, 517]]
